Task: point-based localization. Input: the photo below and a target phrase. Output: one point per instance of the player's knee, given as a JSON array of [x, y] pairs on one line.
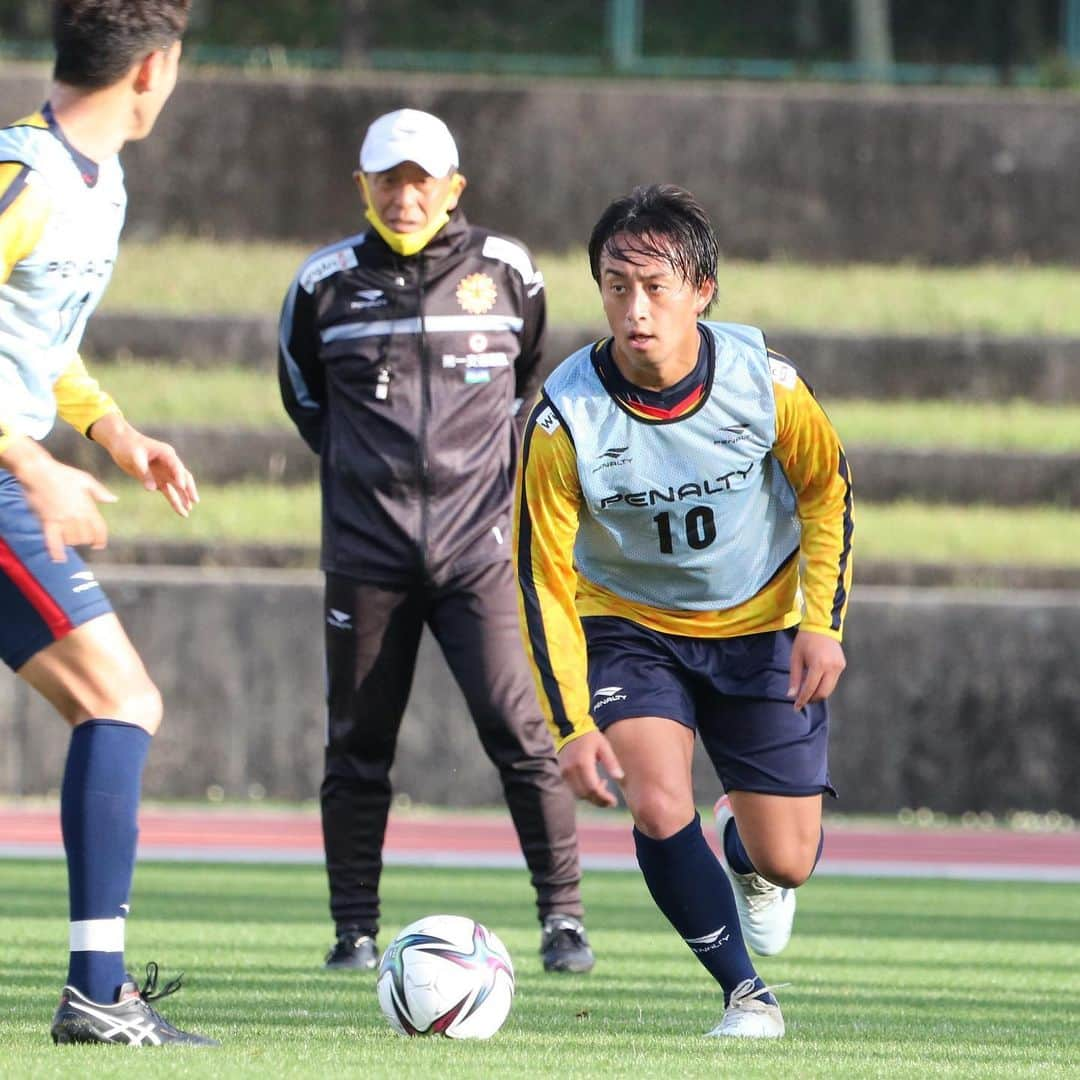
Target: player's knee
[[142, 706], [659, 814], [788, 869]]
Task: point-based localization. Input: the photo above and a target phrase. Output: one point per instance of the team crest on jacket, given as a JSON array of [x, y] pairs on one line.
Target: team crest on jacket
[[476, 294]]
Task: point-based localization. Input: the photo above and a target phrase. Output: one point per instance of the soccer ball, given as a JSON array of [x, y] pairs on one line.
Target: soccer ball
[[446, 975]]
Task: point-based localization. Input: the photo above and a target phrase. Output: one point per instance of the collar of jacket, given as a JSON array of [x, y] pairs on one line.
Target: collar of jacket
[[445, 242]]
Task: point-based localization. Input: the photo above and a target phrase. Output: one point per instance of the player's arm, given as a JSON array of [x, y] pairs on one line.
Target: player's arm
[[301, 378], [24, 212], [79, 397], [548, 501], [546, 514], [813, 459]]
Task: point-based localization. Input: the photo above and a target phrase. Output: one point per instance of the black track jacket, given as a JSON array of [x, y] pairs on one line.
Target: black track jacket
[[402, 374]]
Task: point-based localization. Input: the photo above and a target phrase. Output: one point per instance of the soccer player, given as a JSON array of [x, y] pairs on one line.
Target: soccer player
[[403, 349], [61, 208], [673, 478]]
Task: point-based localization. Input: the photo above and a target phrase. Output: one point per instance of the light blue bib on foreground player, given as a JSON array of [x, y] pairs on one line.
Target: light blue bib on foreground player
[[62, 206]]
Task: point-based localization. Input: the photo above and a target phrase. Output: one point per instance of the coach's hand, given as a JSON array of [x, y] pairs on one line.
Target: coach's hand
[[578, 761], [64, 499], [155, 464], [817, 662]]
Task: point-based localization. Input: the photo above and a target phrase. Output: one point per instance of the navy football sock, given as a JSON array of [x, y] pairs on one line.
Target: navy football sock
[[736, 855], [691, 889], [99, 801]]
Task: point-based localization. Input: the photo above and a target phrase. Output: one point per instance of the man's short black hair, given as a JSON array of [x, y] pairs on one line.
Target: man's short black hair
[[98, 41], [659, 221]]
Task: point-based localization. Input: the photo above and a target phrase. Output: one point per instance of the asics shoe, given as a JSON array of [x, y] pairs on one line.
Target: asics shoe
[[354, 950], [564, 945], [766, 911], [748, 1017], [131, 1020]]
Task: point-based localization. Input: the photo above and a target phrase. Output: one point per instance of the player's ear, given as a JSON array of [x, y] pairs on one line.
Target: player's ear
[[705, 296], [151, 69]]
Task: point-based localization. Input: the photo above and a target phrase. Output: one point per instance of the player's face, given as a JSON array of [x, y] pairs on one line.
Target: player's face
[[652, 311], [406, 198]]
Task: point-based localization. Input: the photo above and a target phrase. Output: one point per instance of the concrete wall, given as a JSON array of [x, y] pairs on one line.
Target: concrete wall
[[808, 171], [956, 700]]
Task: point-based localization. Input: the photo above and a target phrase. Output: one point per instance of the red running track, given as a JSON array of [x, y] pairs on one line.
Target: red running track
[[451, 839]]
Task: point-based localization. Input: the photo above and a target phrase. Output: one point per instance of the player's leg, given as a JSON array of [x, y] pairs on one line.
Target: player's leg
[[97, 682], [643, 702], [474, 619], [778, 836], [681, 871], [773, 762], [59, 634], [372, 636]]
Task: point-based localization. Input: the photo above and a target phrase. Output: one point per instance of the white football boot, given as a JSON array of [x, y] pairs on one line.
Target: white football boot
[[766, 911], [748, 1017]]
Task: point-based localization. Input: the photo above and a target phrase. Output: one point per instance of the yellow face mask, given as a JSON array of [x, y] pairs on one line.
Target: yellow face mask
[[413, 242]]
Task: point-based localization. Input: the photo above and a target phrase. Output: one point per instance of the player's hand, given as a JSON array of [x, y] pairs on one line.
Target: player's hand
[[578, 761], [155, 464], [817, 662], [65, 501]]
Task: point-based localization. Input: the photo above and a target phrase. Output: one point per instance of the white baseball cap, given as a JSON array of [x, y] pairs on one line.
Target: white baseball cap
[[409, 135]]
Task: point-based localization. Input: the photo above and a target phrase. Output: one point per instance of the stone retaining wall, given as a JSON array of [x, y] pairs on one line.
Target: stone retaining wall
[[825, 173], [954, 700], [969, 366], [223, 455]]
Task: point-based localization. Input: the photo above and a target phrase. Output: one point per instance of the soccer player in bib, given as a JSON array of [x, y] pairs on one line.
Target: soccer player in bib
[[683, 532], [62, 205]]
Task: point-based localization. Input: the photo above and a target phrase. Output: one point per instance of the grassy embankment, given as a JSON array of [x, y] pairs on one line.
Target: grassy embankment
[[188, 277]]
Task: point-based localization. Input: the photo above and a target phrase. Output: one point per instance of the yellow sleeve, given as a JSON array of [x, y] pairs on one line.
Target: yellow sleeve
[[79, 399], [24, 210], [548, 500], [809, 451]]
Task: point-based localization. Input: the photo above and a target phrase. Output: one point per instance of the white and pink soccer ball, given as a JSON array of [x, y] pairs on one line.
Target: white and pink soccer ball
[[446, 975]]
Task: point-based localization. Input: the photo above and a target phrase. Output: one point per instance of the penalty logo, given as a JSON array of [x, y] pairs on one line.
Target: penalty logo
[[606, 695]]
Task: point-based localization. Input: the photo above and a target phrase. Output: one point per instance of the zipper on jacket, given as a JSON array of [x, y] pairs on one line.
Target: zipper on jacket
[[425, 390]]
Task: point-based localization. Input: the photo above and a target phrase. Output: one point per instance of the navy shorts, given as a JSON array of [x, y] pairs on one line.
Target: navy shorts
[[732, 691], [40, 601]]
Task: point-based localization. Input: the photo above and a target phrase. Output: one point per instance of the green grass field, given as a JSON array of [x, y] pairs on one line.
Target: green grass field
[[887, 979], [174, 393], [188, 276]]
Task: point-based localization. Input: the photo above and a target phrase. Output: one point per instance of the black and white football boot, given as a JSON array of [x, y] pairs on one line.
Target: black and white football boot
[[130, 1021]]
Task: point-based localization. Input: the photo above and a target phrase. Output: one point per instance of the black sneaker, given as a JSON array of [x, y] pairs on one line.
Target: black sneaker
[[132, 1020], [565, 946], [354, 949]]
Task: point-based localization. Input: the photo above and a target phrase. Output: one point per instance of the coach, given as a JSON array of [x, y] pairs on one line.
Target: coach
[[405, 352]]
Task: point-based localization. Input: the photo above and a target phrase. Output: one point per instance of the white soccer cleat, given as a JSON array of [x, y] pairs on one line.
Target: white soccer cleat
[[766, 911], [748, 1017]]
